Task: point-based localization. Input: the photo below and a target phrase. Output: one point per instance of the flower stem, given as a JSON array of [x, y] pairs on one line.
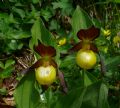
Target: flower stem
[[83, 76]]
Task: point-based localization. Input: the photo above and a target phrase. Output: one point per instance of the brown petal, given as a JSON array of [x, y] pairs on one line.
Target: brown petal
[[90, 33], [37, 64], [43, 62], [53, 63], [40, 62], [76, 47], [93, 47], [45, 50], [103, 67], [62, 81]]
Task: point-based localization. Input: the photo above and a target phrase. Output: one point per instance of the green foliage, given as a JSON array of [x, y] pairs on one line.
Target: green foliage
[[26, 96], [7, 68], [36, 34], [116, 1], [65, 6], [3, 91], [25, 23], [10, 36], [94, 96], [36, 1], [40, 34], [88, 78], [112, 63]]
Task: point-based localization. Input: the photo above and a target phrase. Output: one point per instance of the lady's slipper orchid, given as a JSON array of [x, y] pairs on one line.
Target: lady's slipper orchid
[[86, 37], [47, 66], [47, 53]]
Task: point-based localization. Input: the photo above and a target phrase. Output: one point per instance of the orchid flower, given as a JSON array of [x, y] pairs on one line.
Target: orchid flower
[[86, 37]]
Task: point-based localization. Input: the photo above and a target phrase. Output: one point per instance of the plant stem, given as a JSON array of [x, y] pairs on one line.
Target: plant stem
[[83, 76]]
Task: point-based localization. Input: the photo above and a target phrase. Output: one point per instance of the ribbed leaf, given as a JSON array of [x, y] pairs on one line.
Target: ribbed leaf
[[36, 32], [112, 63], [40, 33], [25, 94], [46, 36], [89, 79], [36, 1], [115, 1], [94, 96]]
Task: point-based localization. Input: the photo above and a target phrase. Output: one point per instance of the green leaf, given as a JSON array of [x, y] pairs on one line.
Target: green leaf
[[9, 62], [20, 45], [26, 96], [61, 5], [80, 20], [88, 97], [89, 79], [115, 1], [6, 72], [19, 35], [12, 45], [68, 62], [65, 6], [12, 19], [39, 32], [1, 65], [46, 14], [96, 22], [112, 63], [4, 15], [20, 12], [54, 25], [36, 32], [4, 27], [93, 96], [3, 91], [46, 36], [102, 101], [13, 0], [72, 100], [36, 1], [50, 98], [31, 43]]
